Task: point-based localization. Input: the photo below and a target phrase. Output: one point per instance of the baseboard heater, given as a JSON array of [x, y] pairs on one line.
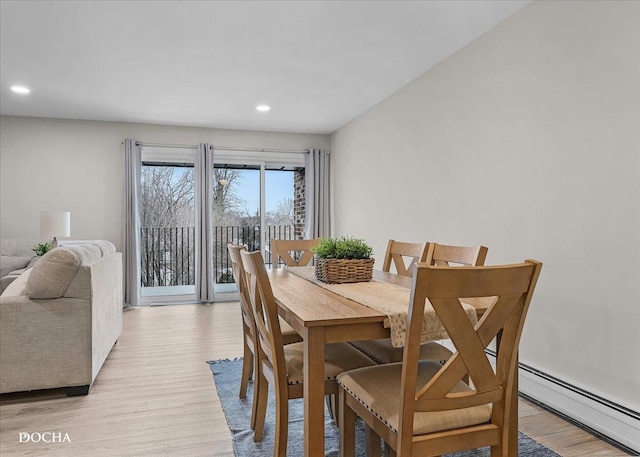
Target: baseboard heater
[[609, 421]]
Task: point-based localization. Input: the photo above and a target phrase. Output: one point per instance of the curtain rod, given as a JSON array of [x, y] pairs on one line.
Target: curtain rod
[[223, 148]]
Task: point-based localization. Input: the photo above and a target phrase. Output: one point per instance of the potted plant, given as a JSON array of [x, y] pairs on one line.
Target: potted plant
[[41, 249], [343, 260]]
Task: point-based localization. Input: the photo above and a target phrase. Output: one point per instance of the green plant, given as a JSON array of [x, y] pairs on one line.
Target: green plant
[[342, 248], [42, 248]]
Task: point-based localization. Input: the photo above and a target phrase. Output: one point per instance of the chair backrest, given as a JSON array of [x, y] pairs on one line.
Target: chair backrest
[[513, 285], [240, 278], [301, 250], [265, 314], [442, 255], [399, 252]]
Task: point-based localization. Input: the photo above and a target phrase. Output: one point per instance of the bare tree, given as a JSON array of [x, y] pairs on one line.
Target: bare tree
[[283, 215], [226, 182], [167, 219], [167, 197]]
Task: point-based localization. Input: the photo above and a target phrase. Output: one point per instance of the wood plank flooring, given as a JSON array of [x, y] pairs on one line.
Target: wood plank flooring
[[155, 396]]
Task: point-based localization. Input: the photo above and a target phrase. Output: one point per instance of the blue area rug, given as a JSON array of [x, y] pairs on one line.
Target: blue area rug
[[226, 374]]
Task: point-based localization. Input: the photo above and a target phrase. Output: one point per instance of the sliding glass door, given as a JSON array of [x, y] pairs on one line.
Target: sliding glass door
[[167, 225], [256, 197], [255, 201], [236, 217]]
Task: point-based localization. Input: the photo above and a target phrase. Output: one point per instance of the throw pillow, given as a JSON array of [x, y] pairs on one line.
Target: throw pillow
[[51, 276]]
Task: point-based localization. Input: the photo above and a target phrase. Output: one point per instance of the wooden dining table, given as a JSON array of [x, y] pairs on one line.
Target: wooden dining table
[[320, 317]]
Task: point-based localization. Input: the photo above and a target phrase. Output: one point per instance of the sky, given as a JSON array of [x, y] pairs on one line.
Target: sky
[[278, 185]]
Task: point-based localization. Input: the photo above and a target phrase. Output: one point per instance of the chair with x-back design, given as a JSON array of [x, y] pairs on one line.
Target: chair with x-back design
[[399, 252], [293, 253], [440, 255], [423, 408], [281, 367], [249, 360]]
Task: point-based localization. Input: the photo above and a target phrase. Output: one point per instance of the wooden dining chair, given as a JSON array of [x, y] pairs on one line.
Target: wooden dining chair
[[282, 366], [442, 255], [297, 253], [423, 408], [399, 252], [249, 360], [294, 253], [381, 350]]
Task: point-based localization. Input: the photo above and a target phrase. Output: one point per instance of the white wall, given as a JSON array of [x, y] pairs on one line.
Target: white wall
[[52, 164], [526, 141]]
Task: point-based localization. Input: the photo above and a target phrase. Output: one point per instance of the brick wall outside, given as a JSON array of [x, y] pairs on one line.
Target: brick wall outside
[[298, 204]]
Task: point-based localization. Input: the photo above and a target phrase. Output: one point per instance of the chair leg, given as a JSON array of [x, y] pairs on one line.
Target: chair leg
[[499, 451], [372, 442], [333, 405], [330, 405], [282, 424], [261, 408], [347, 427], [247, 368], [256, 392]]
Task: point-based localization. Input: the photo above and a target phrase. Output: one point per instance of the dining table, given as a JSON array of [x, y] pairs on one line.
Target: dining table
[[321, 314]]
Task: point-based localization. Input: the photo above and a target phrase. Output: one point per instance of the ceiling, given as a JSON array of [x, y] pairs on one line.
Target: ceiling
[[318, 64]]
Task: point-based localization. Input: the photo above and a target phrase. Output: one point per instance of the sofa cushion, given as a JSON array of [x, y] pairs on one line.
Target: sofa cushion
[[52, 275], [18, 286], [17, 247], [9, 263]]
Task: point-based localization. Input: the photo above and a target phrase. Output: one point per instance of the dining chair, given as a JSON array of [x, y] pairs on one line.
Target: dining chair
[[423, 408], [294, 253], [249, 359], [282, 366], [381, 350], [297, 253], [399, 252]]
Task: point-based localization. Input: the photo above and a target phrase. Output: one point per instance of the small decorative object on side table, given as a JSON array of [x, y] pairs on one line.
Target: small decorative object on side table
[[343, 260]]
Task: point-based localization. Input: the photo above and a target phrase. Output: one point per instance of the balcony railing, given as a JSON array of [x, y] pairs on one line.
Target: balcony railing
[[168, 253]]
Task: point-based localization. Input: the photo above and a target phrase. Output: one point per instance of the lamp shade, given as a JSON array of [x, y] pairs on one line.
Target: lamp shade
[[54, 224]]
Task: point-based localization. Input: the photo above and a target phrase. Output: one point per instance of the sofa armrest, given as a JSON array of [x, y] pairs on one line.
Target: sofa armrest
[[44, 343]]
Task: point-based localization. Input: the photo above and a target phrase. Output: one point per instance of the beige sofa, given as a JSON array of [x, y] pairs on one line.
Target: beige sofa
[[60, 319], [16, 255]]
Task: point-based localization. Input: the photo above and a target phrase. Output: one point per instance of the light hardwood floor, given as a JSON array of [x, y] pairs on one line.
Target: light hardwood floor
[[155, 396]]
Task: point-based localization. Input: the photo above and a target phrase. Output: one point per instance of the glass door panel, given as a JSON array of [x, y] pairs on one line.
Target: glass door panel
[[167, 216], [236, 217], [281, 208]]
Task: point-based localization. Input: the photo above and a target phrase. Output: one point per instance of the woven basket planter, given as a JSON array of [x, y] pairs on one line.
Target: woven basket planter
[[337, 271]]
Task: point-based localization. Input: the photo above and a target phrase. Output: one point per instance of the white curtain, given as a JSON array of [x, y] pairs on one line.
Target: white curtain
[[131, 229], [317, 193], [204, 235]]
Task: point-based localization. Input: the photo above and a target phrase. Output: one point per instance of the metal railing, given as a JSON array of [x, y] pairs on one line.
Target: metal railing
[[168, 253]]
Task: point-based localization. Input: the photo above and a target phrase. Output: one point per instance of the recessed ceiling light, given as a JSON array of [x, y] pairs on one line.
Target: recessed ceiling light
[[263, 108], [20, 89]]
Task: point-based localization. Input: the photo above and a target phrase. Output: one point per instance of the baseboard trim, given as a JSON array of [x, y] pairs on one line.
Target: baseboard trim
[[608, 420]]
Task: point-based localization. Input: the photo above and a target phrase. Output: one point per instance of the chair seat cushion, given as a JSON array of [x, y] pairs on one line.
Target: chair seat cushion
[[378, 389], [382, 351], [338, 357]]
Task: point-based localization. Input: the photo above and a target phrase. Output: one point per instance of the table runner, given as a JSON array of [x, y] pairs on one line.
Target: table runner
[[389, 299]]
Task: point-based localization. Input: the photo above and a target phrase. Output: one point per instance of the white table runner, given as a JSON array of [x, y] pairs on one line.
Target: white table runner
[[388, 299]]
